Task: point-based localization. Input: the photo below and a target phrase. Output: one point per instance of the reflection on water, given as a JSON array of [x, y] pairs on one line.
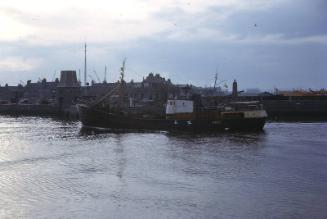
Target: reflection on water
[[57, 169]]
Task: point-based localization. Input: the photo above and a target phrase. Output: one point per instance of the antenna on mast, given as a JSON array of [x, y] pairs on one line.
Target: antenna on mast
[[85, 73]]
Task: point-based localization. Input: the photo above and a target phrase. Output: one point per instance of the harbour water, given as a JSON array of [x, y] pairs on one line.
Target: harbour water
[[55, 169]]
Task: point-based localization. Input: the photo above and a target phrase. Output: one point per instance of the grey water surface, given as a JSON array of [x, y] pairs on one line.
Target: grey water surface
[[55, 169]]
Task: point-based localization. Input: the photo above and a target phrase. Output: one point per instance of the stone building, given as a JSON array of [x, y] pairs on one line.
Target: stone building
[[67, 91], [42, 92], [151, 93], [11, 94], [153, 88]]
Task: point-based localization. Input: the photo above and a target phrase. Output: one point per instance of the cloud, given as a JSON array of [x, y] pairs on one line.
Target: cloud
[[283, 39], [41, 22], [259, 22], [183, 39], [19, 64], [12, 29]]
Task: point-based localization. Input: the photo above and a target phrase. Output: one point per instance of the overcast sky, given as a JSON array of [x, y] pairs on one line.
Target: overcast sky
[[261, 43]]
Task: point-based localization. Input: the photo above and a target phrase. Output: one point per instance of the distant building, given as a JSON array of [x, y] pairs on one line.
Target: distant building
[[11, 94], [40, 92], [68, 90], [68, 79], [152, 88], [301, 93]]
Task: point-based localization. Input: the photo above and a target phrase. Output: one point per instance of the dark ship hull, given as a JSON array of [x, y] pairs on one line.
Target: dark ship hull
[[94, 117], [253, 124], [98, 118]]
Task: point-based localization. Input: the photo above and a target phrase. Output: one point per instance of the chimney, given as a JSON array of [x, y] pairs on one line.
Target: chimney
[[234, 92], [68, 79]]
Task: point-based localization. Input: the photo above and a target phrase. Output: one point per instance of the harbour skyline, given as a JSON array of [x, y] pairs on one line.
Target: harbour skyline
[[163, 109]]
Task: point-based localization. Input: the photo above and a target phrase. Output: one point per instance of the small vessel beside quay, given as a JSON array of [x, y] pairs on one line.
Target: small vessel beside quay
[[244, 116], [233, 115]]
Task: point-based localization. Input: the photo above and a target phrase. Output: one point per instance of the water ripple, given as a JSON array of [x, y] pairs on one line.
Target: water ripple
[[54, 169]]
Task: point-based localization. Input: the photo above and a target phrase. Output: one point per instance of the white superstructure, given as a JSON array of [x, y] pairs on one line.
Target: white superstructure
[[179, 106], [255, 114]]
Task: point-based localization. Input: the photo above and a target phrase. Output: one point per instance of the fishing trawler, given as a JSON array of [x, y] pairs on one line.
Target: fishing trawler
[[180, 114]]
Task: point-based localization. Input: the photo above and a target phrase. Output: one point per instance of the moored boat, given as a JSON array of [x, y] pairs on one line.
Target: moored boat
[[180, 114], [244, 116]]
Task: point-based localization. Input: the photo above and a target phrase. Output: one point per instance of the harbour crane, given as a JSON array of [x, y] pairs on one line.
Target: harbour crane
[[22, 83], [91, 78], [218, 82], [96, 75], [54, 75]]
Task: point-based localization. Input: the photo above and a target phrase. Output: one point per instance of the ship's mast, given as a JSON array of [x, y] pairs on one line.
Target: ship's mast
[[216, 78], [79, 76], [121, 85], [85, 73], [122, 71]]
